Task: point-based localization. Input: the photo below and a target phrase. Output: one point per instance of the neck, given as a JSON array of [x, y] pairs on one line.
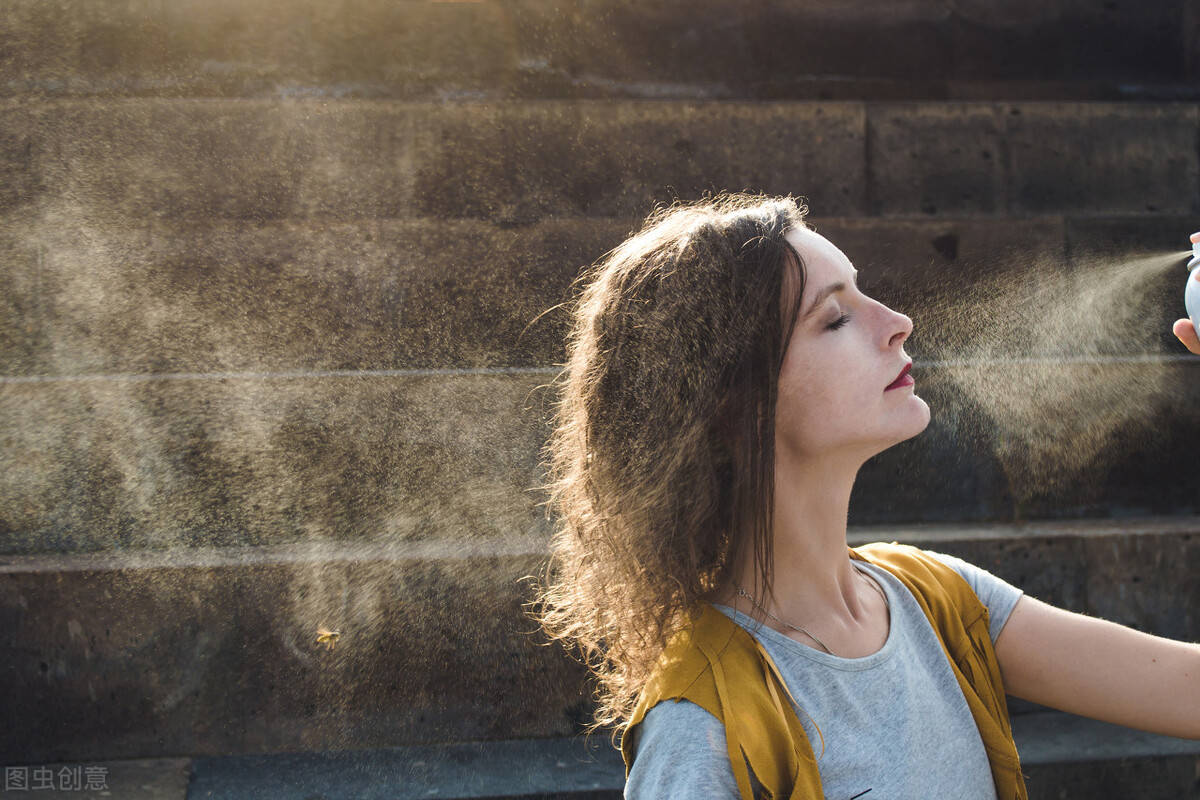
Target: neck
[[812, 576]]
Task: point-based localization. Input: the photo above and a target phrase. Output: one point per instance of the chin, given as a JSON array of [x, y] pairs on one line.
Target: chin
[[924, 409], [916, 423]]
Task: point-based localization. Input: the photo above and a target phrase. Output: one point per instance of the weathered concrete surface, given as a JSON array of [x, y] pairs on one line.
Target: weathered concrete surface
[[600, 48], [1138, 159], [99, 165], [210, 652], [1092, 240], [274, 48], [219, 653], [202, 297], [991, 158], [115, 162], [131, 463], [616, 159], [1160, 778], [533, 768], [948, 159], [117, 464]]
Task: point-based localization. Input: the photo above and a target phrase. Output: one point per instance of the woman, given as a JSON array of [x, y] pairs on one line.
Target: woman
[[726, 381]]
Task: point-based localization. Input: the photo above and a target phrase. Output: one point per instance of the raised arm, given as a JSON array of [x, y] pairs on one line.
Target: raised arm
[[1100, 669]]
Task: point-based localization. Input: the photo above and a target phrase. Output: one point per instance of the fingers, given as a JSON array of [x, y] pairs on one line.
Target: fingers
[[1196, 237], [1186, 333]]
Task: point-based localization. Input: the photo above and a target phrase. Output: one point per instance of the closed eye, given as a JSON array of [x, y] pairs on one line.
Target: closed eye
[[839, 322]]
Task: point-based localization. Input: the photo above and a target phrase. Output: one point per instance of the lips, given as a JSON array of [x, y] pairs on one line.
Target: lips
[[903, 379]]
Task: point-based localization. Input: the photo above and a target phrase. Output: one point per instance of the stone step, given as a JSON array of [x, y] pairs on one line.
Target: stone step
[[534, 48], [1063, 757], [118, 464], [192, 297], [159, 462], [214, 651], [98, 165]]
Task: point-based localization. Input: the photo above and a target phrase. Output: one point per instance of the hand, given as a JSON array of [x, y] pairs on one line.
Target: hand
[[1186, 333]]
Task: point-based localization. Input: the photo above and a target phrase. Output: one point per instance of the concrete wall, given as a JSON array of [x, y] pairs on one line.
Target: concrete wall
[[260, 279], [965, 49]]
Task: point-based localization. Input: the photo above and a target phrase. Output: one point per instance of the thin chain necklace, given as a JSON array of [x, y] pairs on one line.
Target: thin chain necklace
[[743, 593]]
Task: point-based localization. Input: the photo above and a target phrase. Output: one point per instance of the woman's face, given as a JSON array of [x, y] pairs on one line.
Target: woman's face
[[845, 351]]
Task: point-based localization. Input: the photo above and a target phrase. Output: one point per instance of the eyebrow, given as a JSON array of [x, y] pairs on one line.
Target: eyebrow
[[823, 294]]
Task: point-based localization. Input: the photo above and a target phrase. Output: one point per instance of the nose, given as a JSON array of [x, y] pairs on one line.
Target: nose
[[901, 327]]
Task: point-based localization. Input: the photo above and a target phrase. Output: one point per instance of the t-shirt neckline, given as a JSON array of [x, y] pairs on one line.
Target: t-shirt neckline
[[811, 652]]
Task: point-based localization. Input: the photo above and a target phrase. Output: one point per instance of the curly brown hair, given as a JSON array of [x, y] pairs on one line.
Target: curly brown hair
[[661, 461]]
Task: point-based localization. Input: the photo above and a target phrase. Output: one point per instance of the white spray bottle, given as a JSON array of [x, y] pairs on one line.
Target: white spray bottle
[[1191, 295]]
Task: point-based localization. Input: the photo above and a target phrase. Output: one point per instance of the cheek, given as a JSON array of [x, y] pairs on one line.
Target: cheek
[[818, 377], [805, 404], [823, 394]]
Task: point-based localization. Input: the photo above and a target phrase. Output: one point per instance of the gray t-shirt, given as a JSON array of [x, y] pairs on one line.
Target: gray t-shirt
[[895, 723]]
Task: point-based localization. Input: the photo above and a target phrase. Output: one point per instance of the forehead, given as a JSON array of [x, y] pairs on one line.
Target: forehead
[[824, 263]]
